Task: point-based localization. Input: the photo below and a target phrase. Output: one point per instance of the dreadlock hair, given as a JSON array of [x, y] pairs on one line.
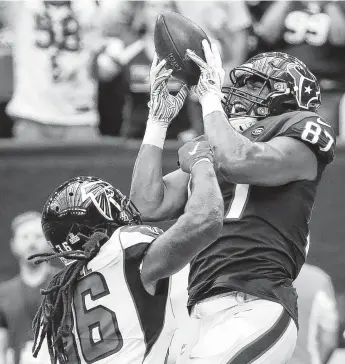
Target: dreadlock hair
[[55, 312]]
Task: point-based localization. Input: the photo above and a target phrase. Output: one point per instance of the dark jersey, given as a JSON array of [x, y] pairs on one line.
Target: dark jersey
[[18, 305], [305, 35], [263, 243]]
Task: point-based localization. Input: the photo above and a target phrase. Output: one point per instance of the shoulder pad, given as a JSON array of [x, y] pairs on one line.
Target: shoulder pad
[[132, 235], [312, 130]]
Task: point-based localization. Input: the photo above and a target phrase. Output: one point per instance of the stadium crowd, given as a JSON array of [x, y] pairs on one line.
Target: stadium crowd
[[74, 71], [86, 66]]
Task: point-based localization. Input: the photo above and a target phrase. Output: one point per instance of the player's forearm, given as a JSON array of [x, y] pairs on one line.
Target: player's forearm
[[147, 187], [241, 161], [231, 149], [197, 228]]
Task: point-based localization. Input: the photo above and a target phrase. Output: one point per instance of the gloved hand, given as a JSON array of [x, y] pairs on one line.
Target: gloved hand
[[212, 73], [163, 106], [192, 152]]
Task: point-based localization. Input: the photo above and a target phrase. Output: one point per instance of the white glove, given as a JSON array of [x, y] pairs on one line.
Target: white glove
[[212, 73], [163, 106]]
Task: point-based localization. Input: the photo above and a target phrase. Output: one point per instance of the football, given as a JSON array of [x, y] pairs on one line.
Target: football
[[173, 35]]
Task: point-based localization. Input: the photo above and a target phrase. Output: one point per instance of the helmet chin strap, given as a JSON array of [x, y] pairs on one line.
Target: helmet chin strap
[[242, 123]]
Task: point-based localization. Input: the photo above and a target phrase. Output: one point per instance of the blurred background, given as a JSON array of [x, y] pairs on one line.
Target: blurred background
[[74, 87]]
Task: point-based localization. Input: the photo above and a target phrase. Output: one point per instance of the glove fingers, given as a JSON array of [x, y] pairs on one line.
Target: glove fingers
[[210, 59], [196, 59], [182, 94], [160, 83], [155, 60], [156, 69]]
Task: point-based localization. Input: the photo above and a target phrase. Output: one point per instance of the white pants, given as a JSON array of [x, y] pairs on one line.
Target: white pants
[[239, 329]]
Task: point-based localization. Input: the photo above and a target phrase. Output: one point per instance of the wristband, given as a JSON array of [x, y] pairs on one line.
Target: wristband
[[211, 103], [155, 134], [200, 160]]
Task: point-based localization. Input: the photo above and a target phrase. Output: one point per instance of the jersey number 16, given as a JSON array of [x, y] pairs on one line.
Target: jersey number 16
[[101, 334]]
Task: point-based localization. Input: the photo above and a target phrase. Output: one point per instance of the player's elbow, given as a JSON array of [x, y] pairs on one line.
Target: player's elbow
[[149, 211], [151, 207]]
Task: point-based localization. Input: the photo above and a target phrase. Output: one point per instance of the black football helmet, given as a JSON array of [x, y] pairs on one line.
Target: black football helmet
[[81, 206], [292, 86]]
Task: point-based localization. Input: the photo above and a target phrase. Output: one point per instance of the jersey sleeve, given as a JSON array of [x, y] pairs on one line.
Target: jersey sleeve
[[312, 130]]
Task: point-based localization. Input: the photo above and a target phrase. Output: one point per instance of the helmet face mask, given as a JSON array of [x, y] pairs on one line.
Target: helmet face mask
[[81, 206], [286, 84]]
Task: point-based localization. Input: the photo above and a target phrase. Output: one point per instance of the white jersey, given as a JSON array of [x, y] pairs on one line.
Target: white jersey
[[115, 320], [52, 52]]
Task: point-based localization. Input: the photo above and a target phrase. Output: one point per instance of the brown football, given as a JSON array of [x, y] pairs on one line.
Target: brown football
[[173, 35]]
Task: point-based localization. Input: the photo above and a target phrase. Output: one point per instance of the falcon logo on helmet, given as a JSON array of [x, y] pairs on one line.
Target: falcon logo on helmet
[[101, 194], [79, 207]]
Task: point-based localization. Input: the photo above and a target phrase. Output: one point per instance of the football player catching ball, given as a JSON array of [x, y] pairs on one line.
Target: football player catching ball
[[270, 151]]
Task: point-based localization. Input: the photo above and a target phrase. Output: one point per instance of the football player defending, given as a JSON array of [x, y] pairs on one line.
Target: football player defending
[[110, 304], [270, 150]]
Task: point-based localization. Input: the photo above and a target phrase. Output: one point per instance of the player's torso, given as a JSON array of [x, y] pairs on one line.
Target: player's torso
[[264, 239], [280, 206], [115, 319], [19, 304], [52, 52]]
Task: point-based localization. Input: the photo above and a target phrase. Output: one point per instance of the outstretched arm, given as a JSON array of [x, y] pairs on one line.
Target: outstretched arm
[[159, 198], [197, 228], [239, 160], [276, 162]]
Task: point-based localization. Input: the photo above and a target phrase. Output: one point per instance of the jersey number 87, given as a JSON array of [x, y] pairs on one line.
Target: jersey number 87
[[312, 133]]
